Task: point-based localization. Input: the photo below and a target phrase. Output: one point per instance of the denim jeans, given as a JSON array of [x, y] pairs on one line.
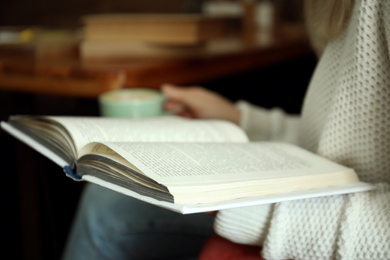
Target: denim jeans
[[109, 225]]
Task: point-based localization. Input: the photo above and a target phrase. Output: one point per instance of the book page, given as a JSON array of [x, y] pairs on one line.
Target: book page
[[159, 129], [196, 163]]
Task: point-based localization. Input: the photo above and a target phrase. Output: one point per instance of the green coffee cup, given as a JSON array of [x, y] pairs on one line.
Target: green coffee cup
[[131, 103]]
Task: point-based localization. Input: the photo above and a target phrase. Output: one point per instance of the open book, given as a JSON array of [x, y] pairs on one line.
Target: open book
[[184, 165]]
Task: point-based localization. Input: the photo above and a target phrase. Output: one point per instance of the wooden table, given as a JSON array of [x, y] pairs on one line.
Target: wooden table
[[87, 79]]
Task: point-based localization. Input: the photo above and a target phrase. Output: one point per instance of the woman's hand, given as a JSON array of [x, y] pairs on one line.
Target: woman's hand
[[197, 102]]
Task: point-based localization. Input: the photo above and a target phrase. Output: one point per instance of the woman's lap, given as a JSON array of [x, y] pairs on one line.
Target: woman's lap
[[109, 225]]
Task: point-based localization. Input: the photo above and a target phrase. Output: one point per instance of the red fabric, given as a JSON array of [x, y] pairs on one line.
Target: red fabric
[[219, 248]]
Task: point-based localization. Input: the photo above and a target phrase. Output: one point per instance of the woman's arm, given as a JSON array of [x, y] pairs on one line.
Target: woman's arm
[[197, 102], [355, 226], [258, 123], [262, 124]]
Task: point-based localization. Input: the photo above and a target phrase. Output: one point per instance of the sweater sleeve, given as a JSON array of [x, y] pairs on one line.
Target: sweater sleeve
[[332, 227], [247, 225], [262, 124], [355, 226]]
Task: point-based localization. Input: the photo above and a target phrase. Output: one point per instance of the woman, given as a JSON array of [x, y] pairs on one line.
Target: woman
[[345, 117]]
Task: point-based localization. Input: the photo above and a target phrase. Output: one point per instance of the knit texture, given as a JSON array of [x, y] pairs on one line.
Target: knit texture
[[251, 230], [346, 118], [279, 126]]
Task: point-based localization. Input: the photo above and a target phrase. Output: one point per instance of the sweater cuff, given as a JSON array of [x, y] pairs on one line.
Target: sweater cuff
[[268, 124], [247, 225], [254, 121]]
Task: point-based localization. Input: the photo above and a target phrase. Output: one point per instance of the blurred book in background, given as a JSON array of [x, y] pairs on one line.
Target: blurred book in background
[[39, 43], [154, 28], [115, 36]]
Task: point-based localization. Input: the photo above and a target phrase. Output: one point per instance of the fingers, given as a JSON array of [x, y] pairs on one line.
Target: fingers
[[179, 100], [173, 106], [173, 102], [176, 107], [173, 92], [197, 102]]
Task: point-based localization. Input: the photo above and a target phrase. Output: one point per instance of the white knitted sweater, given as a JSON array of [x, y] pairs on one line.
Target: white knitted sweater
[[346, 117]]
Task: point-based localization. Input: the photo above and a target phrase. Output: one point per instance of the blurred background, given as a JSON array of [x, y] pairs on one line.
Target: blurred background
[[38, 200], [68, 13]]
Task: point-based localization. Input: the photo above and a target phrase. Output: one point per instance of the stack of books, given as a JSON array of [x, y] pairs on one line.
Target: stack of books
[[149, 35], [39, 43]]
